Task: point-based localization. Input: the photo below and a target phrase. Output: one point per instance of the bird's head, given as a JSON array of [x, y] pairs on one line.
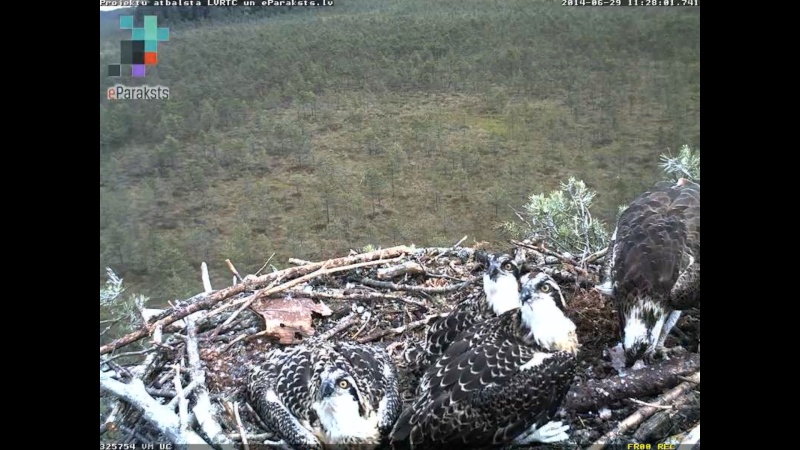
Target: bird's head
[[544, 313], [641, 325], [337, 387], [343, 411], [501, 283]]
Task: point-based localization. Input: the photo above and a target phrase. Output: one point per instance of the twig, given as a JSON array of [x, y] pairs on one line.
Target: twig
[[203, 410], [398, 330], [423, 289], [594, 256], [265, 264], [204, 301], [240, 426], [205, 277], [652, 405], [357, 296], [183, 402], [251, 437], [361, 328], [233, 270], [120, 355], [156, 414], [345, 323], [453, 247], [643, 413], [298, 262]]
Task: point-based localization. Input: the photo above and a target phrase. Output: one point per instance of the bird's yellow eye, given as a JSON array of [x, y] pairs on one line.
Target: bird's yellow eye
[[507, 266], [344, 384], [545, 288]]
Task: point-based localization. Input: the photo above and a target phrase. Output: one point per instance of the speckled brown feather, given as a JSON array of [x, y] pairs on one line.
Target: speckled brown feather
[[475, 308], [475, 395], [655, 236], [294, 376]]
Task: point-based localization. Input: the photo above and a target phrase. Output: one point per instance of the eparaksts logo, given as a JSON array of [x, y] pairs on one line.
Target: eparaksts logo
[[120, 92]]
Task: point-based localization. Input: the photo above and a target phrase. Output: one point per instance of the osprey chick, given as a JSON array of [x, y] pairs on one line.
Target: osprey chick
[[500, 293], [501, 381], [653, 268], [326, 394]]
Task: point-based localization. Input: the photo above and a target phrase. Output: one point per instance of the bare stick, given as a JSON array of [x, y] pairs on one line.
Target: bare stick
[[657, 426], [183, 403], [233, 269], [205, 277], [594, 256], [356, 296], [453, 247], [643, 413], [595, 394], [423, 289], [395, 331], [156, 414], [122, 355], [240, 426], [298, 262], [207, 301], [265, 264], [406, 268], [203, 409], [574, 264], [652, 405], [345, 323]]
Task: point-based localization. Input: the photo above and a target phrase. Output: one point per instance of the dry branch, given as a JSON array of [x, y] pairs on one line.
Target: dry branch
[[645, 382], [643, 413], [355, 296], [346, 322], [393, 331], [407, 268], [207, 301], [203, 409], [657, 426], [158, 415], [424, 289]]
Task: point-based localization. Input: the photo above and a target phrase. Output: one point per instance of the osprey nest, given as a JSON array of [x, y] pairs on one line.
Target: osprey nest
[[182, 378]]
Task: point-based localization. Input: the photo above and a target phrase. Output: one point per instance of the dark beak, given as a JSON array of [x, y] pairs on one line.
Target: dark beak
[[525, 295], [326, 388]]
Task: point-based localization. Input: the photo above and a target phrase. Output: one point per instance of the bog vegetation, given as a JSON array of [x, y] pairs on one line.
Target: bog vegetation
[[312, 131]]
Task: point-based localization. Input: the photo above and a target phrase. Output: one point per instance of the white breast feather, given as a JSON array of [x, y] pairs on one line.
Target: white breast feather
[[549, 326], [341, 421], [503, 294]]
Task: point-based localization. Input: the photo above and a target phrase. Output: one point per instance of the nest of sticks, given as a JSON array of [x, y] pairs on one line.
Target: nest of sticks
[[185, 383]]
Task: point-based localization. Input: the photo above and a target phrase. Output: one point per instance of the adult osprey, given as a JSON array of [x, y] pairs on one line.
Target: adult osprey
[[501, 382], [499, 294], [321, 393], [653, 271]]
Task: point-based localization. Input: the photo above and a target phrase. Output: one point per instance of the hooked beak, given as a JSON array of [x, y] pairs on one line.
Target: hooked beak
[[326, 389], [525, 295]]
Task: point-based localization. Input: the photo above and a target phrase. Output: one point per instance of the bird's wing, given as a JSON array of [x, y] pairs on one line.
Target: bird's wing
[[280, 394], [457, 394], [444, 331], [649, 246]]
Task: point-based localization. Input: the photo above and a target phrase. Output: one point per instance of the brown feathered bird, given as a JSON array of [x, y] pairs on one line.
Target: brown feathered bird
[[653, 268], [500, 382]]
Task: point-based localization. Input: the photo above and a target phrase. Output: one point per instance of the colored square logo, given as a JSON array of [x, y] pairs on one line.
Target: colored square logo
[[125, 22], [142, 48], [150, 58]]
